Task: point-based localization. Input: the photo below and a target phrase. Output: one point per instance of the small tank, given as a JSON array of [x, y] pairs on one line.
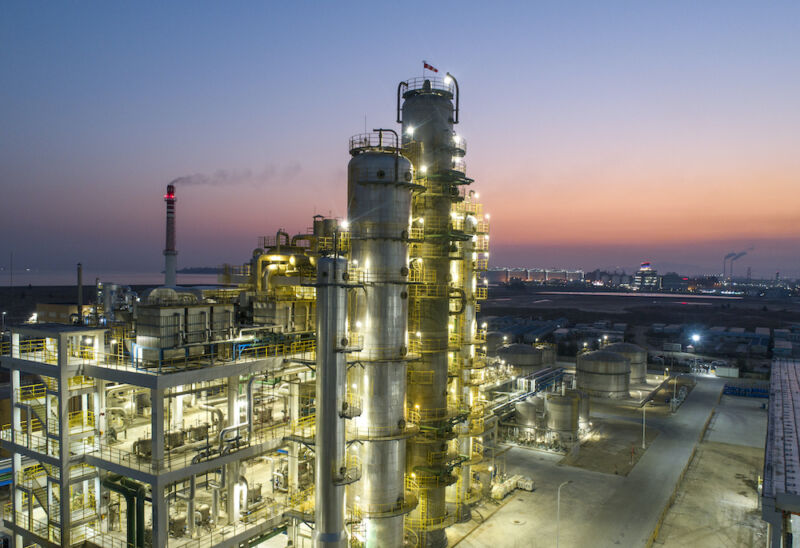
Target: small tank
[[636, 355], [603, 374], [526, 413]]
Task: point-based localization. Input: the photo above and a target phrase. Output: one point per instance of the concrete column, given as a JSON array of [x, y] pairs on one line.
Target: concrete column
[[63, 439], [160, 515]]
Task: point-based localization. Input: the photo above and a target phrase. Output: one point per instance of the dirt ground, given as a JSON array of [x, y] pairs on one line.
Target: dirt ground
[[717, 502], [612, 447]]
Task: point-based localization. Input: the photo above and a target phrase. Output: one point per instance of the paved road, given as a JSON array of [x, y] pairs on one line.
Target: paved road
[[597, 510], [629, 515]]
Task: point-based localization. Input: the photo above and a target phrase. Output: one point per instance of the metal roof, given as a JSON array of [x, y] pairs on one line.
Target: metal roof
[[782, 451]]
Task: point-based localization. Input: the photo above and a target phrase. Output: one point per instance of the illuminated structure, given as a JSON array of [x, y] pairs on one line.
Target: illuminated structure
[[332, 389], [646, 278]]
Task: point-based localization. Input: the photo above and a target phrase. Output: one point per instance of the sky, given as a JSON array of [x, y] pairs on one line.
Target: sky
[[600, 134]]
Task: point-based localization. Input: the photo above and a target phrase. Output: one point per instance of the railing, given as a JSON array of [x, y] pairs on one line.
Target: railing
[[481, 293], [374, 139], [271, 433], [31, 392], [325, 243], [49, 531], [38, 350], [435, 83], [481, 264], [420, 377]]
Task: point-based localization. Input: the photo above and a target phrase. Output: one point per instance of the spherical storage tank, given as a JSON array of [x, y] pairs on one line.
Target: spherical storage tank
[[562, 413], [522, 356], [636, 355], [603, 374]]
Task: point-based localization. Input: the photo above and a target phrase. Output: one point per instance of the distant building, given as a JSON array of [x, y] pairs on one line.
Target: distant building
[[645, 279], [674, 282]]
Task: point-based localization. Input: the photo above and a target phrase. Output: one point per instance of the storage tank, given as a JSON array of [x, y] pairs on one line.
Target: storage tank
[[524, 357], [583, 406], [494, 340], [603, 374], [562, 414], [548, 353], [526, 413], [636, 355]]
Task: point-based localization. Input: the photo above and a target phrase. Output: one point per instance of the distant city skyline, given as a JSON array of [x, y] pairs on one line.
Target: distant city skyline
[[599, 133]]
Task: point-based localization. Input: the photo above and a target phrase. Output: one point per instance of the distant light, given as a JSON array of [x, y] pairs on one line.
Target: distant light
[[696, 337], [419, 334], [424, 169], [358, 325], [448, 80], [410, 131], [344, 224]]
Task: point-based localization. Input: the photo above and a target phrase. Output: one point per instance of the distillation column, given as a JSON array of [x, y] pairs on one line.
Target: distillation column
[[329, 509], [379, 206], [427, 116]]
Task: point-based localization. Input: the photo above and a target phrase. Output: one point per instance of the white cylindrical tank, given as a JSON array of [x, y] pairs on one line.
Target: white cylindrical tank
[[603, 374], [524, 357], [583, 406], [562, 413], [636, 355]]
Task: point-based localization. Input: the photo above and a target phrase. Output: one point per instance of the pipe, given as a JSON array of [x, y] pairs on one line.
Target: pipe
[[278, 238], [129, 494], [217, 411], [455, 117], [329, 508], [399, 95], [190, 506], [140, 496], [226, 430], [243, 480]]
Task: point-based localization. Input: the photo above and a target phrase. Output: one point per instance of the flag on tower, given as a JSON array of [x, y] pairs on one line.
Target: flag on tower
[[425, 65]]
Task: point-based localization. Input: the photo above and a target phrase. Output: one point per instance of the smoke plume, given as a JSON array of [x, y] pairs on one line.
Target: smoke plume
[[227, 177]]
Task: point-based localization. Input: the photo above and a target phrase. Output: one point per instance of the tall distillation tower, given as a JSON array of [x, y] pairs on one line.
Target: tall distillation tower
[[380, 184], [425, 107]]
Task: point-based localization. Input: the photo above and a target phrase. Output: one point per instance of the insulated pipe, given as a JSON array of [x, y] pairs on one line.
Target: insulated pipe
[[190, 505], [130, 497], [329, 508], [218, 412], [140, 496]]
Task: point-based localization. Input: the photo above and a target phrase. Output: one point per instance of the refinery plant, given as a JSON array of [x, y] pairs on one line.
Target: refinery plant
[[335, 387]]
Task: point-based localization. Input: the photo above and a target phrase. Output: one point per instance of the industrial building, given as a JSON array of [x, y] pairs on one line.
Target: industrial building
[[335, 388]]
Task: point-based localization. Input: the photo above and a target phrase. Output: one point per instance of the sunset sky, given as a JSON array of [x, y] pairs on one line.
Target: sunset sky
[[600, 134]]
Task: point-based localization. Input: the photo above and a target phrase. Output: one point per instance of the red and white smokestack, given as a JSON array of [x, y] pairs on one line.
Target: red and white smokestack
[[170, 253]]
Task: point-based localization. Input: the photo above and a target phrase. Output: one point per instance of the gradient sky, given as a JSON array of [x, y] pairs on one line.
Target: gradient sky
[[600, 134]]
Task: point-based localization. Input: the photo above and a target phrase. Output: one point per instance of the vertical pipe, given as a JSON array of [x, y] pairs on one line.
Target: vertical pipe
[[329, 510], [233, 467]]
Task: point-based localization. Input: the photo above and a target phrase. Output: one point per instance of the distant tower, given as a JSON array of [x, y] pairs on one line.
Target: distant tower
[[170, 253]]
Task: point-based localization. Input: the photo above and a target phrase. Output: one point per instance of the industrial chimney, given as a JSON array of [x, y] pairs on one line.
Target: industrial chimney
[[170, 253]]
